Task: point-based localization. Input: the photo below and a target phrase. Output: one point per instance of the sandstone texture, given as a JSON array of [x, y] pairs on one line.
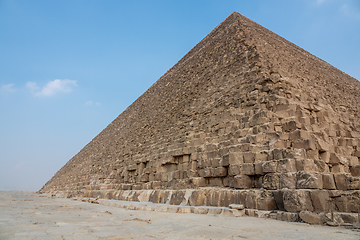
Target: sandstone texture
[[246, 117]]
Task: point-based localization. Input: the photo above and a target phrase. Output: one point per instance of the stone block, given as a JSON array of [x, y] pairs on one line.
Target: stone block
[[339, 168], [334, 159], [219, 172], [269, 167], [205, 172], [225, 161], [310, 217], [236, 158], [355, 171], [199, 181], [271, 181], [261, 156], [258, 168], [325, 156], [201, 210], [249, 157], [297, 200], [298, 134], [242, 182], [287, 180], [237, 206], [353, 161], [328, 181], [308, 180], [307, 144], [265, 201], [234, 169], [320, 200], [287, 216], [291, 125], [286, 165], [307, 165], [247, 169], [341, 181]]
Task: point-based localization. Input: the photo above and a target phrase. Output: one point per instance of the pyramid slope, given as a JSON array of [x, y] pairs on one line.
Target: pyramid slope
[[244, 109]]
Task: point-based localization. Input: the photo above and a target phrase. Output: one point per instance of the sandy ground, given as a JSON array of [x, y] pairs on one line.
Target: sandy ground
[[29, 216]]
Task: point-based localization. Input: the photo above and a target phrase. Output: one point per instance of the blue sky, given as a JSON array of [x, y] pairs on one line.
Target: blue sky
[[68, 68]]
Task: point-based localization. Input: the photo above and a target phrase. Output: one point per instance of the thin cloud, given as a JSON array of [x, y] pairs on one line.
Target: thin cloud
[[320, 2], [91, 103], [9, 88], [52, 87], [351, 12]]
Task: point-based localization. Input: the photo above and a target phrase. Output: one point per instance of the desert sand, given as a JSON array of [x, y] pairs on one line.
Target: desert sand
[[25, 215]]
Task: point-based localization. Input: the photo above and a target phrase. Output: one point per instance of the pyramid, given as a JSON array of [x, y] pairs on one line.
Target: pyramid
[[246, 117]]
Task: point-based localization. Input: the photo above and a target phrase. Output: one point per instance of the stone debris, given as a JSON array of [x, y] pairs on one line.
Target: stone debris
[[245, 118]]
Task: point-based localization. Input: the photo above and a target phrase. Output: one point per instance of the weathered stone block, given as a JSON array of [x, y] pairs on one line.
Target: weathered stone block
[[199, 181], [297, 200], [320, 200], [234, 169], [328, 181], [291, 125], [308, 180], [287, 216], [286, 165], [269, 166], [355, 171], [310, 217], [242, 181], [247, 169], [307, 144], [287, 180], [236, 158], [249, 157], [271, 181]]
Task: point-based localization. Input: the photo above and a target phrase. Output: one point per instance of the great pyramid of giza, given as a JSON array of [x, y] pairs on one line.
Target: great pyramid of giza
[[246, 117]]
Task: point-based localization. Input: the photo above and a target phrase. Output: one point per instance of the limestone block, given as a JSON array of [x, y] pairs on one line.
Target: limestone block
[[298, 134], [247, 169], [258, 168], [320, 200], [201, 210], [307, 165], [334, 159], [325, 156], [310, 217], [321, 166], [271, 181], [307, 144], [215, 182], [338, 168], [234, 169], [287, 180], [306, 180], [355, 171], [225, 161], [241, 182], [249, 157], [219, 172], [353, 161], [236, 158], [237, 206], [287, 216], [199, 181], [297, 200], [265, 201], [328, 181], [261, 156], [291, 125], [286, 165], [277, 154], [341, 181], [205, 172], [269, 166]]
